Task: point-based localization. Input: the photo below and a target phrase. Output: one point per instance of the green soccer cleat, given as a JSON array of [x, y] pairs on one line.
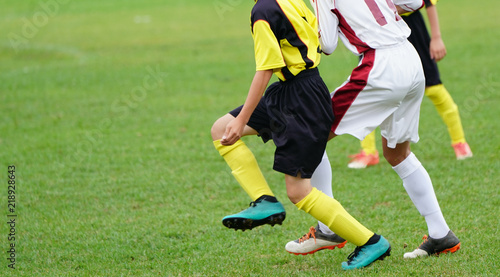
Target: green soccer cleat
[[265, 210], [367, 254]]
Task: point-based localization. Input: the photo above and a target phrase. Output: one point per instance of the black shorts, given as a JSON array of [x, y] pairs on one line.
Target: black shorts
[[421, 41], [297, 115]]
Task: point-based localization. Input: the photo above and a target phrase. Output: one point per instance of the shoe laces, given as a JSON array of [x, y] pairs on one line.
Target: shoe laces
[[353, 255], [425, 238], [311, 233]]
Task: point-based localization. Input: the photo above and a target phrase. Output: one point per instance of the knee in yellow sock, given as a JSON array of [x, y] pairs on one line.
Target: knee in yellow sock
[[244, 168], [448, 111]]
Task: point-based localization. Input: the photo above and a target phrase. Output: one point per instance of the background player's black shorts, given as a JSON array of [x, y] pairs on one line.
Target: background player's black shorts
[[297, 115], [421, 40]]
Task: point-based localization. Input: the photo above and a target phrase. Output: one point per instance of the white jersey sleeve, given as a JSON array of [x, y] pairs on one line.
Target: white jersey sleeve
[[409, 5], [328, 25]]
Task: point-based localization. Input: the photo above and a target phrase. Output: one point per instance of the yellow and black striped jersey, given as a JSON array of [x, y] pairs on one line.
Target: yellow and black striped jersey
[[285, 34]]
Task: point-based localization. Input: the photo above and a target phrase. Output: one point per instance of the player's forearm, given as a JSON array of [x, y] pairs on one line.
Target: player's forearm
[[432, 15], [327, 25], [257, 89]]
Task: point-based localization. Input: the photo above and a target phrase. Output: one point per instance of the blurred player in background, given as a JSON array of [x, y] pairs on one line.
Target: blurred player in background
[[385, 90], [431, 49]]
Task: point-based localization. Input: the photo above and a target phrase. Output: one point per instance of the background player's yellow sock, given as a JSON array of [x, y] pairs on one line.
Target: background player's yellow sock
[[244, 168], [368, 144], [331, 213], [448, 111]]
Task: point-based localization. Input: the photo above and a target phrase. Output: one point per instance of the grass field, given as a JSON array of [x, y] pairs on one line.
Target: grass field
[[105, 113]]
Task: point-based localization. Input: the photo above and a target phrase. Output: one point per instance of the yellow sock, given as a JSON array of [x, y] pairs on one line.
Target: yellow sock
[[332, 214], [368, 144], [448, 111], [244, 168]]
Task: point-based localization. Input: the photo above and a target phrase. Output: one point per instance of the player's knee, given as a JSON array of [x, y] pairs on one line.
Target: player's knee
[[219, 126], [216, 130], [438, 94], [296, 191], [395, 158], [294, 196]]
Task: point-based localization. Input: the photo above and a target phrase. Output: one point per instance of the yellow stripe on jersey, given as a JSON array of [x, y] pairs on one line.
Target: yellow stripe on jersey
[[267, 50], [285, 37], [433, 2]]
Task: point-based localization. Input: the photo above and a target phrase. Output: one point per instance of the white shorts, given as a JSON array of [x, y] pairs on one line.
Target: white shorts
[[385, 90]]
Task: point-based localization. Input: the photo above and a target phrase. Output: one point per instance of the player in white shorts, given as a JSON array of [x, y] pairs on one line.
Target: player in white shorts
[[386, 90]]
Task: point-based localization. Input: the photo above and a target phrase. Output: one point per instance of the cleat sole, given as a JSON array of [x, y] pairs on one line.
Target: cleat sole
[[449, 250], [243, 224]]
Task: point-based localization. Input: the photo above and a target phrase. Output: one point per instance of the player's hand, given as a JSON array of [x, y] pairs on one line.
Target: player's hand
[[437, 49], [234, 130]]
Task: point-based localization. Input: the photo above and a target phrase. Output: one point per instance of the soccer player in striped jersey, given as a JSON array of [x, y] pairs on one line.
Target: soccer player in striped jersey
[[286, 44], [385, 90], [431, 49]]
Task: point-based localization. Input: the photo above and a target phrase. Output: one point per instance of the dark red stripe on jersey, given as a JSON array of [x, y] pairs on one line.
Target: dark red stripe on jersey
[[377, 13], [350, 34], [345, 95], [394, 9]]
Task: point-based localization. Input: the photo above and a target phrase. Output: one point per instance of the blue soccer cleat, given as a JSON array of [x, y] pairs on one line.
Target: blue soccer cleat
[[265, 210], [367, 254]]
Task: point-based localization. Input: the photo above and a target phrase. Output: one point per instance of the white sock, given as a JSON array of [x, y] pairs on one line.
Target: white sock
[[419, 187], [322, 180]]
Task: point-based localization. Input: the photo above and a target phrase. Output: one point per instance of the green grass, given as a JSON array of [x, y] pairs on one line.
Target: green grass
[[106, 109]]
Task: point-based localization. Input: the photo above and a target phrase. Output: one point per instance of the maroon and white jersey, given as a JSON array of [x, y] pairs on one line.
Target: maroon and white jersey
[[362, 24]]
